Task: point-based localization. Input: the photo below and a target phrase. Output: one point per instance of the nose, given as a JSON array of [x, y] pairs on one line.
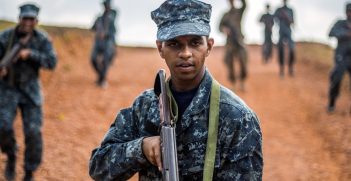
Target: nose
[[185, 53]]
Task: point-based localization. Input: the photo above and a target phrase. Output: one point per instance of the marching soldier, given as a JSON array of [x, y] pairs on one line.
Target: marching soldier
[[342, 63], [230, 25], [20, 88], [104, 49]]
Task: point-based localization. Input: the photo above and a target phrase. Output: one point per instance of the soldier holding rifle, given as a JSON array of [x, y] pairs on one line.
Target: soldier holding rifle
[[23, 51], [218, 136]]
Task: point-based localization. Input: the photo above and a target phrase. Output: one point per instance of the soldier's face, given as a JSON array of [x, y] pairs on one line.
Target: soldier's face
[[27, 24], [185, 56]]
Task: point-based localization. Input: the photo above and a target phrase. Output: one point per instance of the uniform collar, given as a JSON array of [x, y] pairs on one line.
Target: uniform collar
[[201, 99]]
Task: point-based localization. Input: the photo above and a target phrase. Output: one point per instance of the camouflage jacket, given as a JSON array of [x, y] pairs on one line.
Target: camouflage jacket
[[26, 73], [106, 24], [342, 31], [239, 145], [285, 17]]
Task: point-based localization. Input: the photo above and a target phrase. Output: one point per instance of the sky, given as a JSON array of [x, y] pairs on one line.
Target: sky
[[313, 18]]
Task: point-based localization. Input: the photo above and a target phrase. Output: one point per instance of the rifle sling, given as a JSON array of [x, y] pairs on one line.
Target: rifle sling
[[9, 45], [212, 132], [8, 49]]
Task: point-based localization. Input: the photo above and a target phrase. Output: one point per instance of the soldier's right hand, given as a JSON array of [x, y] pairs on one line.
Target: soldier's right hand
[[3, 72], [152, 150]]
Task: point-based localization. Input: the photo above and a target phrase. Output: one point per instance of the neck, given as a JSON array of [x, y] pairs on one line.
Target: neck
[[184, 86]]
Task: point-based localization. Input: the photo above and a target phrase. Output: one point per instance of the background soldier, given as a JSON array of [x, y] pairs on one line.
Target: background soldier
[[132, 144], [20, 88], [268, 20], [230, 25], [105, 45], [342, 31], [285, 17]]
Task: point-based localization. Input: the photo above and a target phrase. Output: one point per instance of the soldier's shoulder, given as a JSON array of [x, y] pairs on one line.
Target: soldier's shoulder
[[232, 103], [42, 34], [146, 97], [7, 31]]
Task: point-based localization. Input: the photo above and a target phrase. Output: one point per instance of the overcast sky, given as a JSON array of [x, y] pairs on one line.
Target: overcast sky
[[313, 18]]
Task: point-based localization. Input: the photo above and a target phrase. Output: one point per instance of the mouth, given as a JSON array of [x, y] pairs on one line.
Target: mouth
[[184, 64], [185, 67]]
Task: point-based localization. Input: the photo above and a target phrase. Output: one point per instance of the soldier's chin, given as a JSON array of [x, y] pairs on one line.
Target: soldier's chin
[[26, 29]]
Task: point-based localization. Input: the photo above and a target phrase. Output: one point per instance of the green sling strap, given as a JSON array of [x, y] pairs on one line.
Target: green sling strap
[[212, 132]]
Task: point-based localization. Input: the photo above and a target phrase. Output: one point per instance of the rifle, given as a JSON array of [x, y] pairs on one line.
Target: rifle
[[168, 135], [11, 56]]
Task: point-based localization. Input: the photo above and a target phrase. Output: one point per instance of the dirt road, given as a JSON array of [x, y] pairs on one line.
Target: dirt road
[[301, 141]]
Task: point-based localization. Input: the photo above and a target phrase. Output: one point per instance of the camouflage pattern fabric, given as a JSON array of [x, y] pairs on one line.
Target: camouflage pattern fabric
[[239, 145], [341, 30], [24, 92], [182, 17]]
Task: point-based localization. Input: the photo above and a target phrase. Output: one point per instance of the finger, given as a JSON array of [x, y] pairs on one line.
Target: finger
[[158, 158]]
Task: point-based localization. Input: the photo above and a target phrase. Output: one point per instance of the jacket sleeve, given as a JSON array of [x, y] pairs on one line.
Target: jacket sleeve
[[243, 150], [339, 32], [45, 56], [4, 38], [120, 155]]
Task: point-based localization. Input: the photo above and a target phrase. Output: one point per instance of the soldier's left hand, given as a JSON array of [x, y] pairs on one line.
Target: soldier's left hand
[[24, 54]]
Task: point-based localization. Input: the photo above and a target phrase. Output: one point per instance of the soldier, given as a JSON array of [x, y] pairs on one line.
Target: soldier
[[268, 20], [342, 31], [104, 48], [132, 144], [20, 88], [230, 25], [285, 17]]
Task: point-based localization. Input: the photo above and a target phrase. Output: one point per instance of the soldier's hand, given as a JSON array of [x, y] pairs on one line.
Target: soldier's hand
[[3, 72], [24, 54], [152, 150]]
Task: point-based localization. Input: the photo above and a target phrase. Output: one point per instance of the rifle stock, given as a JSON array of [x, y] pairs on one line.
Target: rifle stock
[[167, 135]]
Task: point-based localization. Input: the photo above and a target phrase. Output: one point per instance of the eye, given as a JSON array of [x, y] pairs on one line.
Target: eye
[[172, 44], [196, 42]]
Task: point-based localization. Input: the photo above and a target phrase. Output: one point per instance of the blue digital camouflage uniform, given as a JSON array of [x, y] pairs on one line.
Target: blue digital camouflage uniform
[[22, 90], [342, 31], [268, 20], [104, 49], [235, 46], [285, 17], [239, 146]]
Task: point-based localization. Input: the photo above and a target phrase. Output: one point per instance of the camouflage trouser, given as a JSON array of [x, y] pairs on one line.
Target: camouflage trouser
[[267, 46], [239, 52], [102, 57], [281, 54], [342, 64], [10, 100]]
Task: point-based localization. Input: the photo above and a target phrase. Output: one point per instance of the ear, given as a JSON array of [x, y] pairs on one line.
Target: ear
[[159, 48], [210, 43]]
